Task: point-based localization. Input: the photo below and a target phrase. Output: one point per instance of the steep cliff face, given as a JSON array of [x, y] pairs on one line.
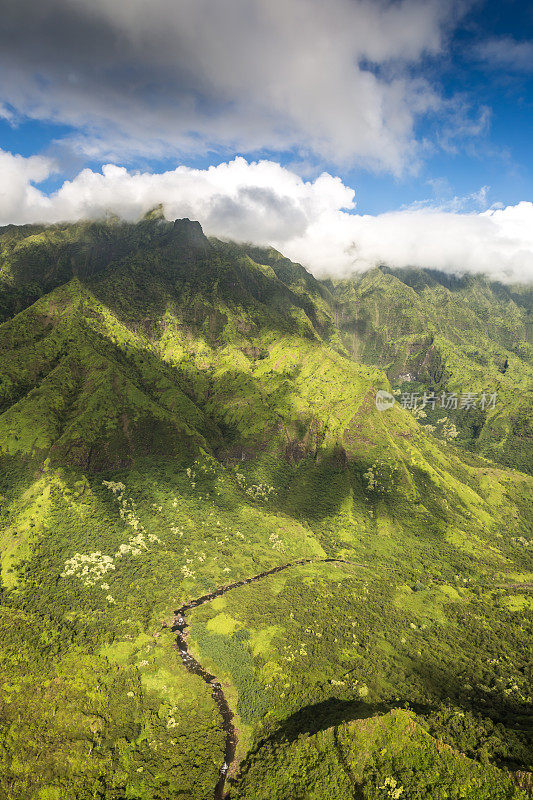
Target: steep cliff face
[[434, 333]]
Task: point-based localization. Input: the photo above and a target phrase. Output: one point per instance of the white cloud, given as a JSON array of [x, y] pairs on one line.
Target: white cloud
[[496, 242], [444, 200], [340, 80], [506, 52], [313, 222], [19, 199]]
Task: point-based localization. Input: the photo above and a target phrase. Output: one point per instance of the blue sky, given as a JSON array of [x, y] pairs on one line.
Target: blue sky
[[410, 106], [498, 156]]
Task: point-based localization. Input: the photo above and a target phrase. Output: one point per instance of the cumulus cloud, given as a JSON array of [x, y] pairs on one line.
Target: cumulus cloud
[[19, 199], [313, 221], [340, 80], [498, 242]]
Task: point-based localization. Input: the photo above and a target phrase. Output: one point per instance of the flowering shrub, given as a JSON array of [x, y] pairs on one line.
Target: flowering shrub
[[91, 567], [448, 430], [257, 491], [390, 785], [380, 477], [276, 542]]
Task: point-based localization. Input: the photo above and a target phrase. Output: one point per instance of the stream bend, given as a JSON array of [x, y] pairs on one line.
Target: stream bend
[[179, 626]]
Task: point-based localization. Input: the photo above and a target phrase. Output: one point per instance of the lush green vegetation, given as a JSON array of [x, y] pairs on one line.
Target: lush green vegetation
[[385, 756], [178, 413], [432, 333]]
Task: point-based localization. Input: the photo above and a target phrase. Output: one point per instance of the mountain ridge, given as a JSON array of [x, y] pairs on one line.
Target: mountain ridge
[[191, 414], [474, 338]]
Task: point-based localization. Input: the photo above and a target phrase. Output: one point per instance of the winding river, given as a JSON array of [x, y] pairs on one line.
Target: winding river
[[179, 626]]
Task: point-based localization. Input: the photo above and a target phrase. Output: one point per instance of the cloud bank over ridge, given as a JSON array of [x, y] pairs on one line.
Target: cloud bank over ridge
[[313, 222]]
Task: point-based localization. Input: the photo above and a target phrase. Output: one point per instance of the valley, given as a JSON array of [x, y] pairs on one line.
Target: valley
[[225, 571]]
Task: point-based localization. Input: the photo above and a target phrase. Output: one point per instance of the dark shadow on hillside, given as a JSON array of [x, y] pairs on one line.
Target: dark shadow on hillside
[[470, 695], [311, 720], [198, 278]]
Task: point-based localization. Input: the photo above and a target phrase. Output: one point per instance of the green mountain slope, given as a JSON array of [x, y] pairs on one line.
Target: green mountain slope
[[178, 414], [369, 758], [434, 333]]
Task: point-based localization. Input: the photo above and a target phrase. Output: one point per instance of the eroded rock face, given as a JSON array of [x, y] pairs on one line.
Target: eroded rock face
[[190, 233]]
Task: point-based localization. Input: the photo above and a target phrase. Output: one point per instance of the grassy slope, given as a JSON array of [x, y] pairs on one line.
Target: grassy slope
[[208, 385]]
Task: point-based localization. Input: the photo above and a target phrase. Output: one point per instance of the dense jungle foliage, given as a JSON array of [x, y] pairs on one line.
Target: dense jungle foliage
[[178, 413]]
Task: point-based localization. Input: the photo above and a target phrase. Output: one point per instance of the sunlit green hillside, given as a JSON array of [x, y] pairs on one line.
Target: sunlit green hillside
[[179, 413], [432, 333]]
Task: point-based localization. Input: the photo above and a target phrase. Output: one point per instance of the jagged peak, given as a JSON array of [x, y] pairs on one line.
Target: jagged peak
[[190, 234]]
